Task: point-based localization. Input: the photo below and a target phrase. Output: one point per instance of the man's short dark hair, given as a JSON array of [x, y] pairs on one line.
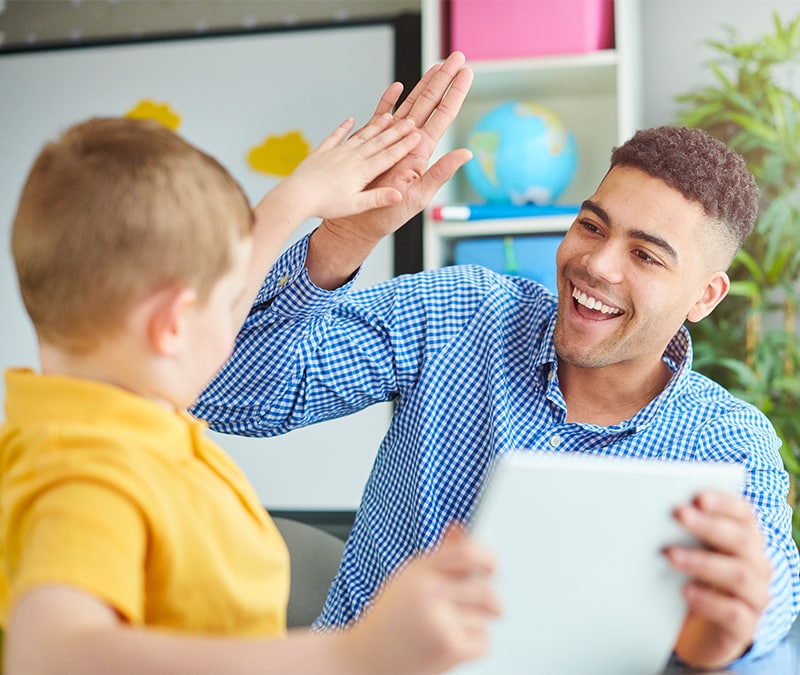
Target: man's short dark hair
[[702, 168]]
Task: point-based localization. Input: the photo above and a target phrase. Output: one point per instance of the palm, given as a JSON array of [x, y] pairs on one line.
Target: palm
[[432, 104]]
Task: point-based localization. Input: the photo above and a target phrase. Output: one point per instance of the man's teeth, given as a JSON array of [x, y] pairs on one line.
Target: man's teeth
[[593, 303]]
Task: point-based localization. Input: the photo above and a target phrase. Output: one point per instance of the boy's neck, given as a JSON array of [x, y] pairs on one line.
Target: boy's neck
[[116, 364]]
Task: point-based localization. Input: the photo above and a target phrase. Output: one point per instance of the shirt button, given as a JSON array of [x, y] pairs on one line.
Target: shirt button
[[555, 440], [282, 281]]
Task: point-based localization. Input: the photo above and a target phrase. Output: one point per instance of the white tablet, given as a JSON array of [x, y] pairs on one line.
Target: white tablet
[[583, 582]]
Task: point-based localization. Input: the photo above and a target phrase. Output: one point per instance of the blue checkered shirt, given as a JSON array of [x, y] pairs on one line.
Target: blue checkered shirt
[[468, 357]]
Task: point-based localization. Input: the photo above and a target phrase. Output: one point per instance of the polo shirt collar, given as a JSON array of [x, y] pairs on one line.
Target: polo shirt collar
[[33, 399]]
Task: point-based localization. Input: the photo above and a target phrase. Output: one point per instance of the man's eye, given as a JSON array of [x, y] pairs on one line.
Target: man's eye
[[646, 258]]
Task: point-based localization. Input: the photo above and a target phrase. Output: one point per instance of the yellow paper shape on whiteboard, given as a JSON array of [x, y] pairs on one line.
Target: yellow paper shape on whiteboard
[[279, 155], [160, 112]]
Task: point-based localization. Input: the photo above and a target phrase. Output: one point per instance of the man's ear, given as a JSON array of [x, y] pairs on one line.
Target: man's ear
[[166, 328], [715, 290]]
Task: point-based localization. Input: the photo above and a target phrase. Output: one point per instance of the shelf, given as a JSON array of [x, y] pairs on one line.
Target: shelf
[[591, 73], [440, 236], [501, 226], [597, 94]]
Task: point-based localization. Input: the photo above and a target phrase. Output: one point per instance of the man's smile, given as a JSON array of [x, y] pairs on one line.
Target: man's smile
[[594, 304]]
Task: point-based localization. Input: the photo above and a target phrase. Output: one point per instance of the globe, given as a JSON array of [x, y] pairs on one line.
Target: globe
[[522, 153]]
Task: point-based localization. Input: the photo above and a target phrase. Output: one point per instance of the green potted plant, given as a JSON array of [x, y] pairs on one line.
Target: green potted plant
[[750, 343]]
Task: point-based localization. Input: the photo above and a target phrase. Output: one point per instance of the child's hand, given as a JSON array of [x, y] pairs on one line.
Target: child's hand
[[333, 180], [433, 613]]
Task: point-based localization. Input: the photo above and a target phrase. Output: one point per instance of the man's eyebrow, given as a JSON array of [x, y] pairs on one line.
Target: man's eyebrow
[[597, 210], [663, 244]]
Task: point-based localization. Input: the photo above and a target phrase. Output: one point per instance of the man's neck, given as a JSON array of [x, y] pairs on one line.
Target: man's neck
[[610, 395]]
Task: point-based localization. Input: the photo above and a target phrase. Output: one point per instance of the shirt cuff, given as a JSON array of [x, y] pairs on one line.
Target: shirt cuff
[[289, 290]]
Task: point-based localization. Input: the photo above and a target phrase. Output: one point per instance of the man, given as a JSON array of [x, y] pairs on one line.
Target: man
[[479, 364]]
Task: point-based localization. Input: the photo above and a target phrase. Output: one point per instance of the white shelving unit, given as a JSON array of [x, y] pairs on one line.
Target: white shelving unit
[[597, 94]]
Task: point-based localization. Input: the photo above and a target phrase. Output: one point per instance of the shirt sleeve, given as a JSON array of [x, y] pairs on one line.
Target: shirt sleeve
[[81, 534], [745, 435], [306, 355], [300, 358]]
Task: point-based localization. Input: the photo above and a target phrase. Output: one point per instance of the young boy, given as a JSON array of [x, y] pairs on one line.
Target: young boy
[[129, 541]]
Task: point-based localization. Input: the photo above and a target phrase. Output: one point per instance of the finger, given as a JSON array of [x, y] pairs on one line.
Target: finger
[[377, 198], [729, 575], [473, 636], [450, 105], [425, 97], [382, 139], [408, 102], [735, 535], [373, 128], [387, 157], [441, 172], [459, 554], [723, 610], [475, 593], [720, 503], [388, 99], [338, 135]]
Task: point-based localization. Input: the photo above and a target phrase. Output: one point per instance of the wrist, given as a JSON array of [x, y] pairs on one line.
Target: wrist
[[332, 259], [283, 206], [354, 653]]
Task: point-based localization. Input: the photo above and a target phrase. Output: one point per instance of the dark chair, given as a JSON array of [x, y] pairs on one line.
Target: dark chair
[[315, 557]]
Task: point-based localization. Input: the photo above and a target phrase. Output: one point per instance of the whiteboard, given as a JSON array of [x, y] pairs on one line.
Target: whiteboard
[[229, 92]]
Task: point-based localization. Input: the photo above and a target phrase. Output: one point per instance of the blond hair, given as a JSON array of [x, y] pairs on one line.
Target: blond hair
[[112, 211]]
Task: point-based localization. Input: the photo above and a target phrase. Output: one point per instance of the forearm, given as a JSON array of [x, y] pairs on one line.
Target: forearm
[[301, 360], [276, 216], [123, 649], [332, 259]]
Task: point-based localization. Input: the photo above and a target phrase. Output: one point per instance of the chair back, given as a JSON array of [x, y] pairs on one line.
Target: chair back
[[314, 560]]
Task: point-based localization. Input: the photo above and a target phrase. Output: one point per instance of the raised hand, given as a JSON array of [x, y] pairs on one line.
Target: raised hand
[[433, 613], [333, 180], [340, 245], [729, 579]]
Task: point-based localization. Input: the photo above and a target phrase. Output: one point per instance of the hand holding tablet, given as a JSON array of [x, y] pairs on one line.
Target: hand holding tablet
[[582, 575]]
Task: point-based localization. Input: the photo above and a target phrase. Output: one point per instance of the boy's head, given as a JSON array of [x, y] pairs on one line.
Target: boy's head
[[112, 211], [704, 170]]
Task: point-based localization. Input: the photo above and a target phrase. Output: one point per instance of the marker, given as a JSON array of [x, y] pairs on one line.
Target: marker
[[462, 212]]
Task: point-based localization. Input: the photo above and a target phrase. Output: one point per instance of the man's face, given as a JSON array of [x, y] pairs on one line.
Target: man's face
[[637, 262]]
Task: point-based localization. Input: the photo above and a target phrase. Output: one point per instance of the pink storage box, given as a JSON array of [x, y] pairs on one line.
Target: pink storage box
[[501, 29]]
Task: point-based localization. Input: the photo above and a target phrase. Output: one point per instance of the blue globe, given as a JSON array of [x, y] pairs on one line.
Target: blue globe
[[522, 153]]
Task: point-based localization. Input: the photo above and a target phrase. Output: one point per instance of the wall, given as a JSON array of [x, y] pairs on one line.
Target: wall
[[28, 21], [324, 466], [675, 33]]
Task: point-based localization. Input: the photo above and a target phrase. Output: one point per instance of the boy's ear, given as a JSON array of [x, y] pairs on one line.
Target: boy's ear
[[166, 328], [714, 292]]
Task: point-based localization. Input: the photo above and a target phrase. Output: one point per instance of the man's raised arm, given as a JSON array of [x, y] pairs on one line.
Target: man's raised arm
[[339, 246]]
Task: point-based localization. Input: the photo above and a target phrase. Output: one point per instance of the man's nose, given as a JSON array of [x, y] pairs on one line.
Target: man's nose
[[605, 262]]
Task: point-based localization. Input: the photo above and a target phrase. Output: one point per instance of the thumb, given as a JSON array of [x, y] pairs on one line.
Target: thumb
[[443, 170], [454, 533], [379, 197]]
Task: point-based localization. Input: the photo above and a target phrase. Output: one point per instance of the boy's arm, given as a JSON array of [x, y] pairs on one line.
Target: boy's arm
[[332, 181], [431, 616]]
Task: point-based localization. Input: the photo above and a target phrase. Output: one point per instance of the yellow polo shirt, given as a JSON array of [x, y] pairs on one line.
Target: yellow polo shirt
[[114, 494]]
